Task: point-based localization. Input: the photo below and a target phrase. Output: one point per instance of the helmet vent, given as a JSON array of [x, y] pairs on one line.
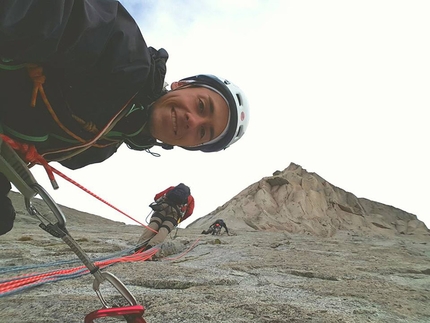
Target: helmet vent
[[239, 98], [239, 132]]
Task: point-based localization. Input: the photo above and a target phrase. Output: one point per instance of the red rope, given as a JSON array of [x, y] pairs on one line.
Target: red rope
[[30, 155], [97, 197], [184, 253]]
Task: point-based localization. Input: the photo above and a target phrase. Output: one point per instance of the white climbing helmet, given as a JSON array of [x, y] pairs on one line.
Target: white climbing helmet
[[239, 111]]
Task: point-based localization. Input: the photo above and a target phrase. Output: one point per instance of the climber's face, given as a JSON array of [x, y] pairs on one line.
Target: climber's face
[[188, 116]]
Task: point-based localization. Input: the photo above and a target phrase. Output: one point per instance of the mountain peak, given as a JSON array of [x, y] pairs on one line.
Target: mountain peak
[[297, 201]]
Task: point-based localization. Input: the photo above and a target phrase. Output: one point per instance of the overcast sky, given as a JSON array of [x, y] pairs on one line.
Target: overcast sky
[[338, 87]]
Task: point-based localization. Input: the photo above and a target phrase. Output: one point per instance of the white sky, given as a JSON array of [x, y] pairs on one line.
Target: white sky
[[338, 87]]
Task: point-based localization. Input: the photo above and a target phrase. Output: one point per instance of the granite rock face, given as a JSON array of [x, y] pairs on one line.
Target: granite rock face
[[299, 250]]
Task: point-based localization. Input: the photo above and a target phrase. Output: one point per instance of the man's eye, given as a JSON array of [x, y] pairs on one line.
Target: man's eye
[[201, 106], [202, 132]]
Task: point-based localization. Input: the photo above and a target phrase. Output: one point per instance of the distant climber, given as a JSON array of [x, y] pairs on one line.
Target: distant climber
[[215, 228]]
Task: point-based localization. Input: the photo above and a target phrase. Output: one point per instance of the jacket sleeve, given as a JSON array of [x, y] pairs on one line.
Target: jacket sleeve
[[31, 31], [63, 33], [225, 227]]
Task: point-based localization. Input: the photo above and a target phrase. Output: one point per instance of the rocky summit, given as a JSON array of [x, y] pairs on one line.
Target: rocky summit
[[300, 250], [296, 201]]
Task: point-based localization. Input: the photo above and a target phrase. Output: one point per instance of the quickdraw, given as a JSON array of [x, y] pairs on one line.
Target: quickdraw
[[17, 172]]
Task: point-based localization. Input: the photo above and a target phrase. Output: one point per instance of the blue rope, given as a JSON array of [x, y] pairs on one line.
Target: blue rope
[[61, 262], [60, 277]]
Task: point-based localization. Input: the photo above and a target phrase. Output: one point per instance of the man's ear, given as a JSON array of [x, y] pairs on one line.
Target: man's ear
[[176, 85]]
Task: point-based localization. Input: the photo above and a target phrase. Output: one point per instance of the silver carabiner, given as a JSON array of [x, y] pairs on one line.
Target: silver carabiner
[[119, 286], [51, 204], [16, 171]]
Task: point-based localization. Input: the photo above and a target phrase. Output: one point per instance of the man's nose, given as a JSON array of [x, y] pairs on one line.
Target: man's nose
[[193, 121]]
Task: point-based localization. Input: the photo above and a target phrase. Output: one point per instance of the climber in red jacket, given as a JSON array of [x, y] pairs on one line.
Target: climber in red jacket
[[170, 206]]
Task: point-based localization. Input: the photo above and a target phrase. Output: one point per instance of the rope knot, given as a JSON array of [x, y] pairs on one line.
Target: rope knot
[[29, 154], [87, 125], [91, 127]]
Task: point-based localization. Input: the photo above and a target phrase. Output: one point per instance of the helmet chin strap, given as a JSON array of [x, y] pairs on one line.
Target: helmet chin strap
[[166, 146]]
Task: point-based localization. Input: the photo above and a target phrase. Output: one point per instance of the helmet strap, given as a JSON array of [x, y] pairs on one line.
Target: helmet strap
[[166, 146]]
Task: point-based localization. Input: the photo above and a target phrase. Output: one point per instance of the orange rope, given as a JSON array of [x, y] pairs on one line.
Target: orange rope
[[88, 126], [185, 252], [36, 74]]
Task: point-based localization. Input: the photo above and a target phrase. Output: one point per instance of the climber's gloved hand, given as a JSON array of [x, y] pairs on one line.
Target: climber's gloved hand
[[178, 195]]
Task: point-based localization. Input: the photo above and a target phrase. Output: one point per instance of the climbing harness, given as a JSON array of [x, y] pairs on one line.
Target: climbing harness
[[181, 210], [17, 172], [217, 229]]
